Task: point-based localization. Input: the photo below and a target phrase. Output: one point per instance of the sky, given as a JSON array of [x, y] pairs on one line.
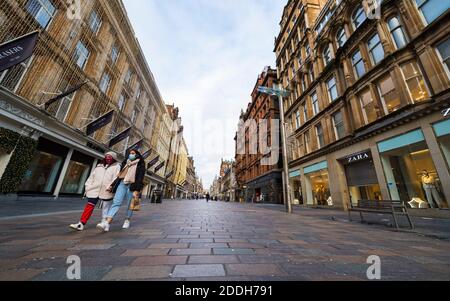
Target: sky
[[206, 56]]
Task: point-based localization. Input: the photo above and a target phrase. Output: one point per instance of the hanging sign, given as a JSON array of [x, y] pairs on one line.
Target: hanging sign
[[18, 50], [119, 137], [99, 123]]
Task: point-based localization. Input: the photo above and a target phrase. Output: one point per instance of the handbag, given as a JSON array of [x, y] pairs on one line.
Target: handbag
[[135, 204]]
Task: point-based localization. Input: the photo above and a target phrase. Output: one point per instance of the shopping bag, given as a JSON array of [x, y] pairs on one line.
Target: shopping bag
[[135, 204]]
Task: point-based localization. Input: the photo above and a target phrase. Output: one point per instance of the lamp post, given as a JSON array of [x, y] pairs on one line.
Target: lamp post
[[279, 92]]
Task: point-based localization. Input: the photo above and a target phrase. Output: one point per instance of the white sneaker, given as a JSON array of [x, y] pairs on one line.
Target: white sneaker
[[126, 224], [78, 227], [103, 226]]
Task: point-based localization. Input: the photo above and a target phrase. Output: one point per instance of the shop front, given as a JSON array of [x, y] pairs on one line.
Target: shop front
[[317, 184], [442, 132], [409, 169], [295, 185], [361, 177]]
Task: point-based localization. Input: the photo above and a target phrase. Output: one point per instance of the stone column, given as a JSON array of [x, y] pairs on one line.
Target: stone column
[[63, 174]]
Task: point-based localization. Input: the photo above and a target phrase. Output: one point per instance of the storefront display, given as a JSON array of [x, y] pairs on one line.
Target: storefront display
[[442, 131], [296, 187], [318, 185], [410, 172], [77, 174], [44, 169], [361, 177]]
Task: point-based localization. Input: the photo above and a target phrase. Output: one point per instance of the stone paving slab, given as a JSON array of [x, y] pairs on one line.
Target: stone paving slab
[[190, 240]]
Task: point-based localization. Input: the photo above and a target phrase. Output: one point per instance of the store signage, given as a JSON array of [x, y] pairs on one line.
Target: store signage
[[120, 137], [159, 166], [18, 50], [61, 96], [136, 146], [357, 157], [169, 174], [446, 112], [146, 154], [99, 123], [153, 162]]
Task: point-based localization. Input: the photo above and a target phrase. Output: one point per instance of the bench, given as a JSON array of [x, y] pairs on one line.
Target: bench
[[395, 208]]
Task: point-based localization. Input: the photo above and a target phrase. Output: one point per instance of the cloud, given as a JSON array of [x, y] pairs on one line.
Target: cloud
[[206, 56]]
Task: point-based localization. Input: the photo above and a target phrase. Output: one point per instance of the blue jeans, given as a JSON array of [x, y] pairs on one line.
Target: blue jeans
[[123, 193]]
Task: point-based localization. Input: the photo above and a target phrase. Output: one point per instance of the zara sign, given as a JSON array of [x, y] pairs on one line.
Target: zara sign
[[365, 155]]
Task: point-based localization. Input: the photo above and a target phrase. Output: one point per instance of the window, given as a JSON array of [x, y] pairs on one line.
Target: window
[[297, 119], [42, 10], [307, 144], [315, 104], [114, 54], [327, 55], [95, 22], [128, 77], [358, 17], [105, 82], [444, 53], [358, 64], [332, 89], [133, 116], [414, 81], [10, 79], [397, 34], [320, 136], [368, 107], [311, 73], [376, 49], [305, 113], [432, 9], [81, 55], [389, 95], [338, 123], [307, 50], [341, 37], [121, 102]]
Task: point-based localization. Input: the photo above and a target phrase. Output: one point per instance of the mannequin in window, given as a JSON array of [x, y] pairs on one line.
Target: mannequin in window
[[429, 185]]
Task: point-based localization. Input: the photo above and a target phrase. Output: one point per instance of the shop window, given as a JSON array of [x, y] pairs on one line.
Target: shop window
[[415, 82], [397, 33], [296, 188], [410, 171], [77, 174], [368, 107], [42, 10], [389, 95], [45, 168], [318, 187], [442, 131], [432, 9]]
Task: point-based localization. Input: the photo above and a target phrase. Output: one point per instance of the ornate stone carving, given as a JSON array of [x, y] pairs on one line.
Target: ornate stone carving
[[18, 112]]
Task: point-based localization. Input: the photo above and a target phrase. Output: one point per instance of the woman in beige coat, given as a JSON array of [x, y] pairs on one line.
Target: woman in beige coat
[[97, 188]]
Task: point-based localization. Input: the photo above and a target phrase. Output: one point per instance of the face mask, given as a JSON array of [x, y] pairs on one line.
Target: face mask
[[132, 157], [109, 160]]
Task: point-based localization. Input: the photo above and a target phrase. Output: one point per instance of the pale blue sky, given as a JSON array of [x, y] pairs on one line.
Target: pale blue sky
[[206, 56]]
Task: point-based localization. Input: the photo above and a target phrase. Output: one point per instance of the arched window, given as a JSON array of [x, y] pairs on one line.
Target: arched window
[[358, 16], [397, 33], [341, 37]]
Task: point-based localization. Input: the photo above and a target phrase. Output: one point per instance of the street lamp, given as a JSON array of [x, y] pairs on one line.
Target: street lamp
[[278, 91]]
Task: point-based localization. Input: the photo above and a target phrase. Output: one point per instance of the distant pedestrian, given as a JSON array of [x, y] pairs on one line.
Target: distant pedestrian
[[129, 183], [207, 197], [96, 188]]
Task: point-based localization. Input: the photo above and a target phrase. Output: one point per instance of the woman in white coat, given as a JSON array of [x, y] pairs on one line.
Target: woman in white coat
[[97, 189]]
